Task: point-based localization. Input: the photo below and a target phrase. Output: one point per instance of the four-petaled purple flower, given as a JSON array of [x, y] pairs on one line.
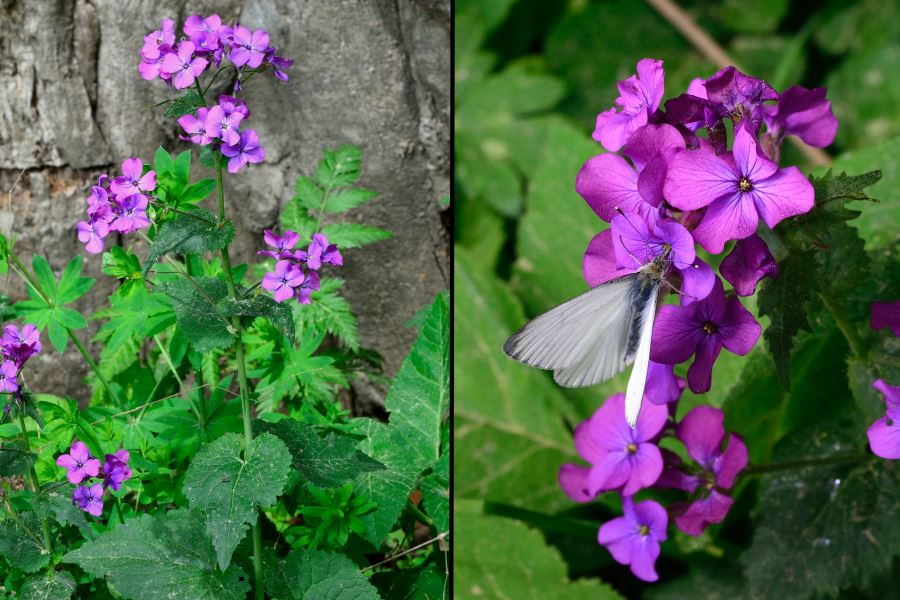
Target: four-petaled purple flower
[[92, 234], [282, 244], [320, 251], [204, 33], [804, 113], [132, 214], [283, 281], [133, 180], [8, 373], [886, 314], [639, 97], [224, 125], [90, 499], [309, 285], [195, 127], [702, 329], [620, 457], [634, 538], [884, 434], [248, 49], [247, 150], [736, 190], [79, 463], [183, 66], [749, 261], [116, 469], [20, 345]]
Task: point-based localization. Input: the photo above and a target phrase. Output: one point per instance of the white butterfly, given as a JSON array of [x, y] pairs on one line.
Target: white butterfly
[[594, 336]]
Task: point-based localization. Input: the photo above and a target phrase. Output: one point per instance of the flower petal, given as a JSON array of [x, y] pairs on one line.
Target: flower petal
[[610, 473], [697, 178], [646, 465], [748, 262], [785, 194], [732, 217], [701, 513], [599, 262], [884, 435], [700, 371], [732, 461], [749, 160], [619, 536], [702, 431], [697, 282], [674, 336], [738, 329], [607, 182], [573, 479]]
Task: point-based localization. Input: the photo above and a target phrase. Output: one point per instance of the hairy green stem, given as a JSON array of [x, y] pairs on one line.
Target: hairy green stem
[[45, 526], [799, 464], [242, 381], [840, 317]]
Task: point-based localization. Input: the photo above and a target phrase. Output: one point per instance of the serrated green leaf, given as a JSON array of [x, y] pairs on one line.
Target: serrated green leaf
[[314, 575], [822, 529], [307, 194], [230, 487], [354, 235], [197, 311], [436, 493], [260, 305], [54, 501], [15, 459], [58, 335], [346, 199], [295, 218], [121, 264], [55, 585], [328, 462], [134, 311], [208, 156], [411, 584], [339, 167], [181, 173], [166, 556], [329, 312], [195, 232], [20, 542], [183, 105]]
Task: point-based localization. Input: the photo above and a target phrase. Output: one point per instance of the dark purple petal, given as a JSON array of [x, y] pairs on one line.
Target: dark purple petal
[[700, 371], [749, 261], [785, 194], [704, 512], [607, 182], [675, 336], [662, 384], [648, 141], [732, 217], [804, 113], [697, 178], [886, 314], [573, 480], [702, 431], [697, 281], [738, 329], [731, 462], [673, 475]]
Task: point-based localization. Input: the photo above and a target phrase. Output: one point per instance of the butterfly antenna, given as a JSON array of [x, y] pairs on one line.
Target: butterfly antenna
[[633, 257], [646, 240]]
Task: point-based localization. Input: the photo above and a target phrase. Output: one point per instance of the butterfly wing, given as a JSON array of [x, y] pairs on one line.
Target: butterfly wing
[[584, 340], [634, 393]]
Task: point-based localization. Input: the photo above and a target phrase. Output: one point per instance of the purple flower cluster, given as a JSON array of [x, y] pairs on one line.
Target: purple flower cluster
[[117, 204], [884, 434], [627, 460], [296, 273], [81, 466], [16, 347], [220, 124], [671, 180], [206, 41]]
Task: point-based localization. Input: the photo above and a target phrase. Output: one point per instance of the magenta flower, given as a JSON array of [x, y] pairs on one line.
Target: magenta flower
[[220, 124], [804, 113], [749, 261], [157, 40], [884, 434], [736, 192], [607, 182], [886, 314], [151, 68], [620, 457], [639, 97], [132, 214], [8, 373], [92, 234], [309, 285], [702, 432], [280, 65], [702, 329], [650, 149], [133, 181], [634, 539], [116, 469], [183, 66], [195, 127], [320, 251], [79, 463], [248, 49], [21, 345], [90, 499], [204, 33], [739, 95], [232, 104], [283, 281], [663, 386], [282, 244], [247, 150]]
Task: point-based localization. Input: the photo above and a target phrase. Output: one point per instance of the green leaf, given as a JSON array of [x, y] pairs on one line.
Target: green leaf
[[15, 459], [163, 163], [55, 585], [329, 312], [822, 529], [195, 232], [182, 172], [295, 217], [436, 493], [72, 285], [197, 311], [198, 191], [208, 156], [313, 575], [134, 311], [411, 584], [762, 16], [328, 462], [506, 559], [20, 542], [166, 556], [230, 487], [339, 167], [354, 235], [54, 501], [260, 305], [45, 275], [343, 200], [121, 264], [307, 193], [183, 105]]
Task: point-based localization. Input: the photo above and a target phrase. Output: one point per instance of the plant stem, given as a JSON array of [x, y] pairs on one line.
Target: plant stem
[[201, 416], [422, 517], [45, 527], [119, 510], [200, 91], [799, 464], [242, 380], [840, 317]]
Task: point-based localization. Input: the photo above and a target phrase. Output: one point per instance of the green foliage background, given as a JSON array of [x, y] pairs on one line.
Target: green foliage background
[[531, 77]]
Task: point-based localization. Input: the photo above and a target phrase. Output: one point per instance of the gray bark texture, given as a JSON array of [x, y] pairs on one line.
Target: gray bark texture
[[375, 73]]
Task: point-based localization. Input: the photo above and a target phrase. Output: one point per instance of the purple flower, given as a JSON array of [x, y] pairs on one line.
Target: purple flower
[[739, 95], [8, 372], [634, 538], [736, 189], [884, 434], [639, 97], [282, 244], [220, 124], [90, 499], [92, 234], [279, 65], [749, 261], [132, 181], [663, 386], [21, 345], [702, 329], [156, 40], [620, 457], [320, 251], [183, 66], [204, 33], [702, 432], [804, 113], [247, 150], [248, 49], [151, 68], [607, 182], [79, 463], [886, 314], [131, 215], [309, 285], [650, 149], [283, 281], [115, 469], [195, 127], [232, 104]]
